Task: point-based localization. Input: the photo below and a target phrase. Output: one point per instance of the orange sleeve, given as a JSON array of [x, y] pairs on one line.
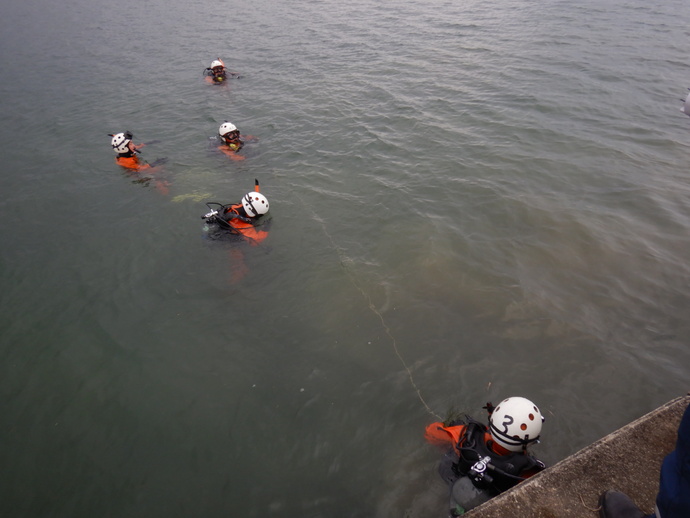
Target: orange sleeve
[[439, 435]]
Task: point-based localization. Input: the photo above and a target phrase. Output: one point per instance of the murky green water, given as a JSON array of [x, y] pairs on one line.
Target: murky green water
[[471, 200]]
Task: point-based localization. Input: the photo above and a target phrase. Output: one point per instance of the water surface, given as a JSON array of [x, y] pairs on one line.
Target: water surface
[[470, 201]]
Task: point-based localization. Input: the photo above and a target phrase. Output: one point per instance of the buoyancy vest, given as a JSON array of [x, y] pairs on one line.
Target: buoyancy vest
[[234, 145], [213, 77], [131, 162], [508, 469], [249, 228], [215, 80]]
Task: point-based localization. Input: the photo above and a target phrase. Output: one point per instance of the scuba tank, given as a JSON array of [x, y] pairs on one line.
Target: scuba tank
[[464, 495], [468, 489]]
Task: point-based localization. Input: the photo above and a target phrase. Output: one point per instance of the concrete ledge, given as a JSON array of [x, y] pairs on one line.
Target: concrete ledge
[[628, 460]]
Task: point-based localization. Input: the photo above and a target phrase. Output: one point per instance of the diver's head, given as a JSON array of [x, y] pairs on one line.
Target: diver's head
[[515, 423], [255, 204], [229, 131], [120, 142], [217, 66]]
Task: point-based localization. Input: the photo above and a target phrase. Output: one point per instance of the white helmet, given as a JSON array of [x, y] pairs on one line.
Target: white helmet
[[515, 423], [120, 141], [255, 204], [226, 128], [216, 63]]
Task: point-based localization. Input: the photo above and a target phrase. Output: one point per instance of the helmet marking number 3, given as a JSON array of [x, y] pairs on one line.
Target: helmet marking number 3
[[507, 421]]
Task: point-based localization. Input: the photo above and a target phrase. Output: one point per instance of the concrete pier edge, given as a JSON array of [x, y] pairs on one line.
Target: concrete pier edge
[[628, 460]]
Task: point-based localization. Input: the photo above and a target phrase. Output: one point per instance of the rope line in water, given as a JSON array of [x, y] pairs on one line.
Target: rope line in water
[[344, 260]]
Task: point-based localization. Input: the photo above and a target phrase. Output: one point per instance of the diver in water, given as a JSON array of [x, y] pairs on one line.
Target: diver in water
[[217, 73], [246, 221], [232, 141], [127, 156], [244, 218], [483, 461], [127, 152]]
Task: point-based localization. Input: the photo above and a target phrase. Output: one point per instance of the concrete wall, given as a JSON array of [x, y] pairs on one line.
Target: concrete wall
[[628, 460]]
